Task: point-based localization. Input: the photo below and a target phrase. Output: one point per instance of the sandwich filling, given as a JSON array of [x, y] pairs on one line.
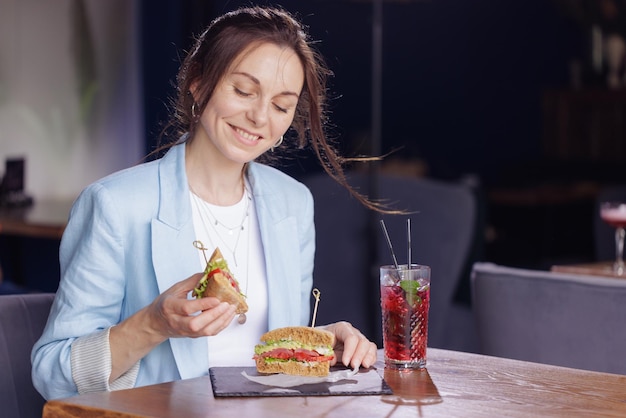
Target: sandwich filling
[[214, 267], [285, 350]]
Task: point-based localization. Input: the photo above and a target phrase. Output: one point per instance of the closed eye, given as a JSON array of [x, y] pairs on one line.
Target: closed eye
[[280, 109], [241, 92]]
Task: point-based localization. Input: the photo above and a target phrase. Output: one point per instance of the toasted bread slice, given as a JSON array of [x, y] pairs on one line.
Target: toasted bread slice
[[218, 286], [296, 368], [304, 335]]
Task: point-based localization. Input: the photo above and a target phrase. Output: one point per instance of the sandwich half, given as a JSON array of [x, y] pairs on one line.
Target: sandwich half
[[219, 282], [300, 351]]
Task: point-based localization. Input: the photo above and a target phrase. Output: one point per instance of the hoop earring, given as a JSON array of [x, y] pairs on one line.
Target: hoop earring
[[194, 112], [277, 144]]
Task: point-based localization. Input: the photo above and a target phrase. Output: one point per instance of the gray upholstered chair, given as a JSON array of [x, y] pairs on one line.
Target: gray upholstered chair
[[351, 247], [22, 319], [561, 319]]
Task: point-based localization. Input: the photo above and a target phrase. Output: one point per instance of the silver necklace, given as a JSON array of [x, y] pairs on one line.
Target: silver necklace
[[241, 319], [237, 229], [232, 229]]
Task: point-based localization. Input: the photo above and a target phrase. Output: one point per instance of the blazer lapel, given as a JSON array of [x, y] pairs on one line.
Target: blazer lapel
[[278, 234], [173, 255]]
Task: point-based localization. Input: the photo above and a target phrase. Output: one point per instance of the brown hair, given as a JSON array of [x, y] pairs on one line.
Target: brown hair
[[217, 47]]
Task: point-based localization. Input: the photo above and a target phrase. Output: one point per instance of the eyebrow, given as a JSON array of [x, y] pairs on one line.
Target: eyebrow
[[256, 81]]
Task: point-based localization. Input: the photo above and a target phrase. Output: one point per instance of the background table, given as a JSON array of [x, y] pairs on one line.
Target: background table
[[604, 268], [454, 384], [44, 219]]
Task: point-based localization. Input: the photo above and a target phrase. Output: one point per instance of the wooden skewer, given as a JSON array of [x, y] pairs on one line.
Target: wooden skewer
[[199, 245], [316, 294]]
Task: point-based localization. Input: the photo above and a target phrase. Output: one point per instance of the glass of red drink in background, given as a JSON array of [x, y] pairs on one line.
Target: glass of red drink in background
[[614, 214], [405, 299]]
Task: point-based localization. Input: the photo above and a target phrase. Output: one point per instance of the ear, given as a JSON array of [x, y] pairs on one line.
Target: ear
[[193, 89]]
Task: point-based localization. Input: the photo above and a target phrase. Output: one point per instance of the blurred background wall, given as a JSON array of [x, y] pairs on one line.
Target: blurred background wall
[[84, 84], [70, 91]]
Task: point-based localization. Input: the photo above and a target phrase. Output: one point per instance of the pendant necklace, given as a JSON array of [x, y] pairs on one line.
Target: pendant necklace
[[241, 319], [213, 224], [231, 230]]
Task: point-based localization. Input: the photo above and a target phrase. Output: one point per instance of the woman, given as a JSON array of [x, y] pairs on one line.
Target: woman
[[122, 306]]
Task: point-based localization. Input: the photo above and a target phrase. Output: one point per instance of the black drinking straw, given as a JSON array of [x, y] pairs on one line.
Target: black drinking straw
[[408, 234], [393, 254]]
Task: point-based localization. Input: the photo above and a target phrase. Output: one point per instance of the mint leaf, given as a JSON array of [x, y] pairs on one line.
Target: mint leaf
[[410, 288]]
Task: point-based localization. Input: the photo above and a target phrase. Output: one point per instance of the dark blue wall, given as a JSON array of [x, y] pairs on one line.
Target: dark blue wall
[[462, 80]]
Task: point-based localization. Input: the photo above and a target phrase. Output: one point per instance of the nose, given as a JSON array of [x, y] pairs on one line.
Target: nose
[[258, 113]]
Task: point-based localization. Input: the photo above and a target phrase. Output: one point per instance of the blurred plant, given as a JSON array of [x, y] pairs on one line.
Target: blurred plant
[[85, 62]]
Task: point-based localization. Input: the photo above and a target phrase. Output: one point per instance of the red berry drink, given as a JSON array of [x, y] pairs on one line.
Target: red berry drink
[[405, 300]]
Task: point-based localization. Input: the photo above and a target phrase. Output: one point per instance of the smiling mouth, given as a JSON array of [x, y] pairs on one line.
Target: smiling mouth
[[247, 135]]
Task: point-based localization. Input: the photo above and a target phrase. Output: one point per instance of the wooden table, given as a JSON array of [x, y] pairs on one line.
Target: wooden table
[[44, 219], [603, 268], [454, 384]]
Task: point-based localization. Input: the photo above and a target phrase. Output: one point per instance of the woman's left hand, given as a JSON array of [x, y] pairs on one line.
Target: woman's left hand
[[351, 347]]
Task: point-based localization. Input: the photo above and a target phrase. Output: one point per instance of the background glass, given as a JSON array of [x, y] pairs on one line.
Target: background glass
[[614, 214]]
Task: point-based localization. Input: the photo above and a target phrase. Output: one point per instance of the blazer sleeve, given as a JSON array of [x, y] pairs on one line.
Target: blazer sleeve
[[92, 260]]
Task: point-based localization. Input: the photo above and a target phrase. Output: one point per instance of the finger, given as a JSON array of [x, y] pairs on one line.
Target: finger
[[214, 320], [222, 321], [191, 282], [349, 345], [187, 307], [352, 347], [203, 304], [371, 355], [185, 286], [364, 354], [357, 349]]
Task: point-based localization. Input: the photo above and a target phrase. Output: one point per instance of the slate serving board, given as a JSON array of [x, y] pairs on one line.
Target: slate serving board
[[230, 382]]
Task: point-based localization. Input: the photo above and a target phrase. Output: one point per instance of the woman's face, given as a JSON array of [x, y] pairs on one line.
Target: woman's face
[[254, 103]]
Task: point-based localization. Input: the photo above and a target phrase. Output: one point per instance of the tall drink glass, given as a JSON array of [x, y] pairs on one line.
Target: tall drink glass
[[405, 299], [614, 214]]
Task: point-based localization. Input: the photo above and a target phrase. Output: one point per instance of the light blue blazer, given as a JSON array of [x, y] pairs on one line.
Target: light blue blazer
[[129, 238]]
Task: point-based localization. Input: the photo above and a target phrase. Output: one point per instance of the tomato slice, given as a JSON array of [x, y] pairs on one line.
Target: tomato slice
[[214, 272], [299, 354], [302, 354], [226, 274], [279, 353]]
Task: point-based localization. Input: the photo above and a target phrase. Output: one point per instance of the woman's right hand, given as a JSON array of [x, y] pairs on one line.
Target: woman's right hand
[[173, 315], [170, 315]]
